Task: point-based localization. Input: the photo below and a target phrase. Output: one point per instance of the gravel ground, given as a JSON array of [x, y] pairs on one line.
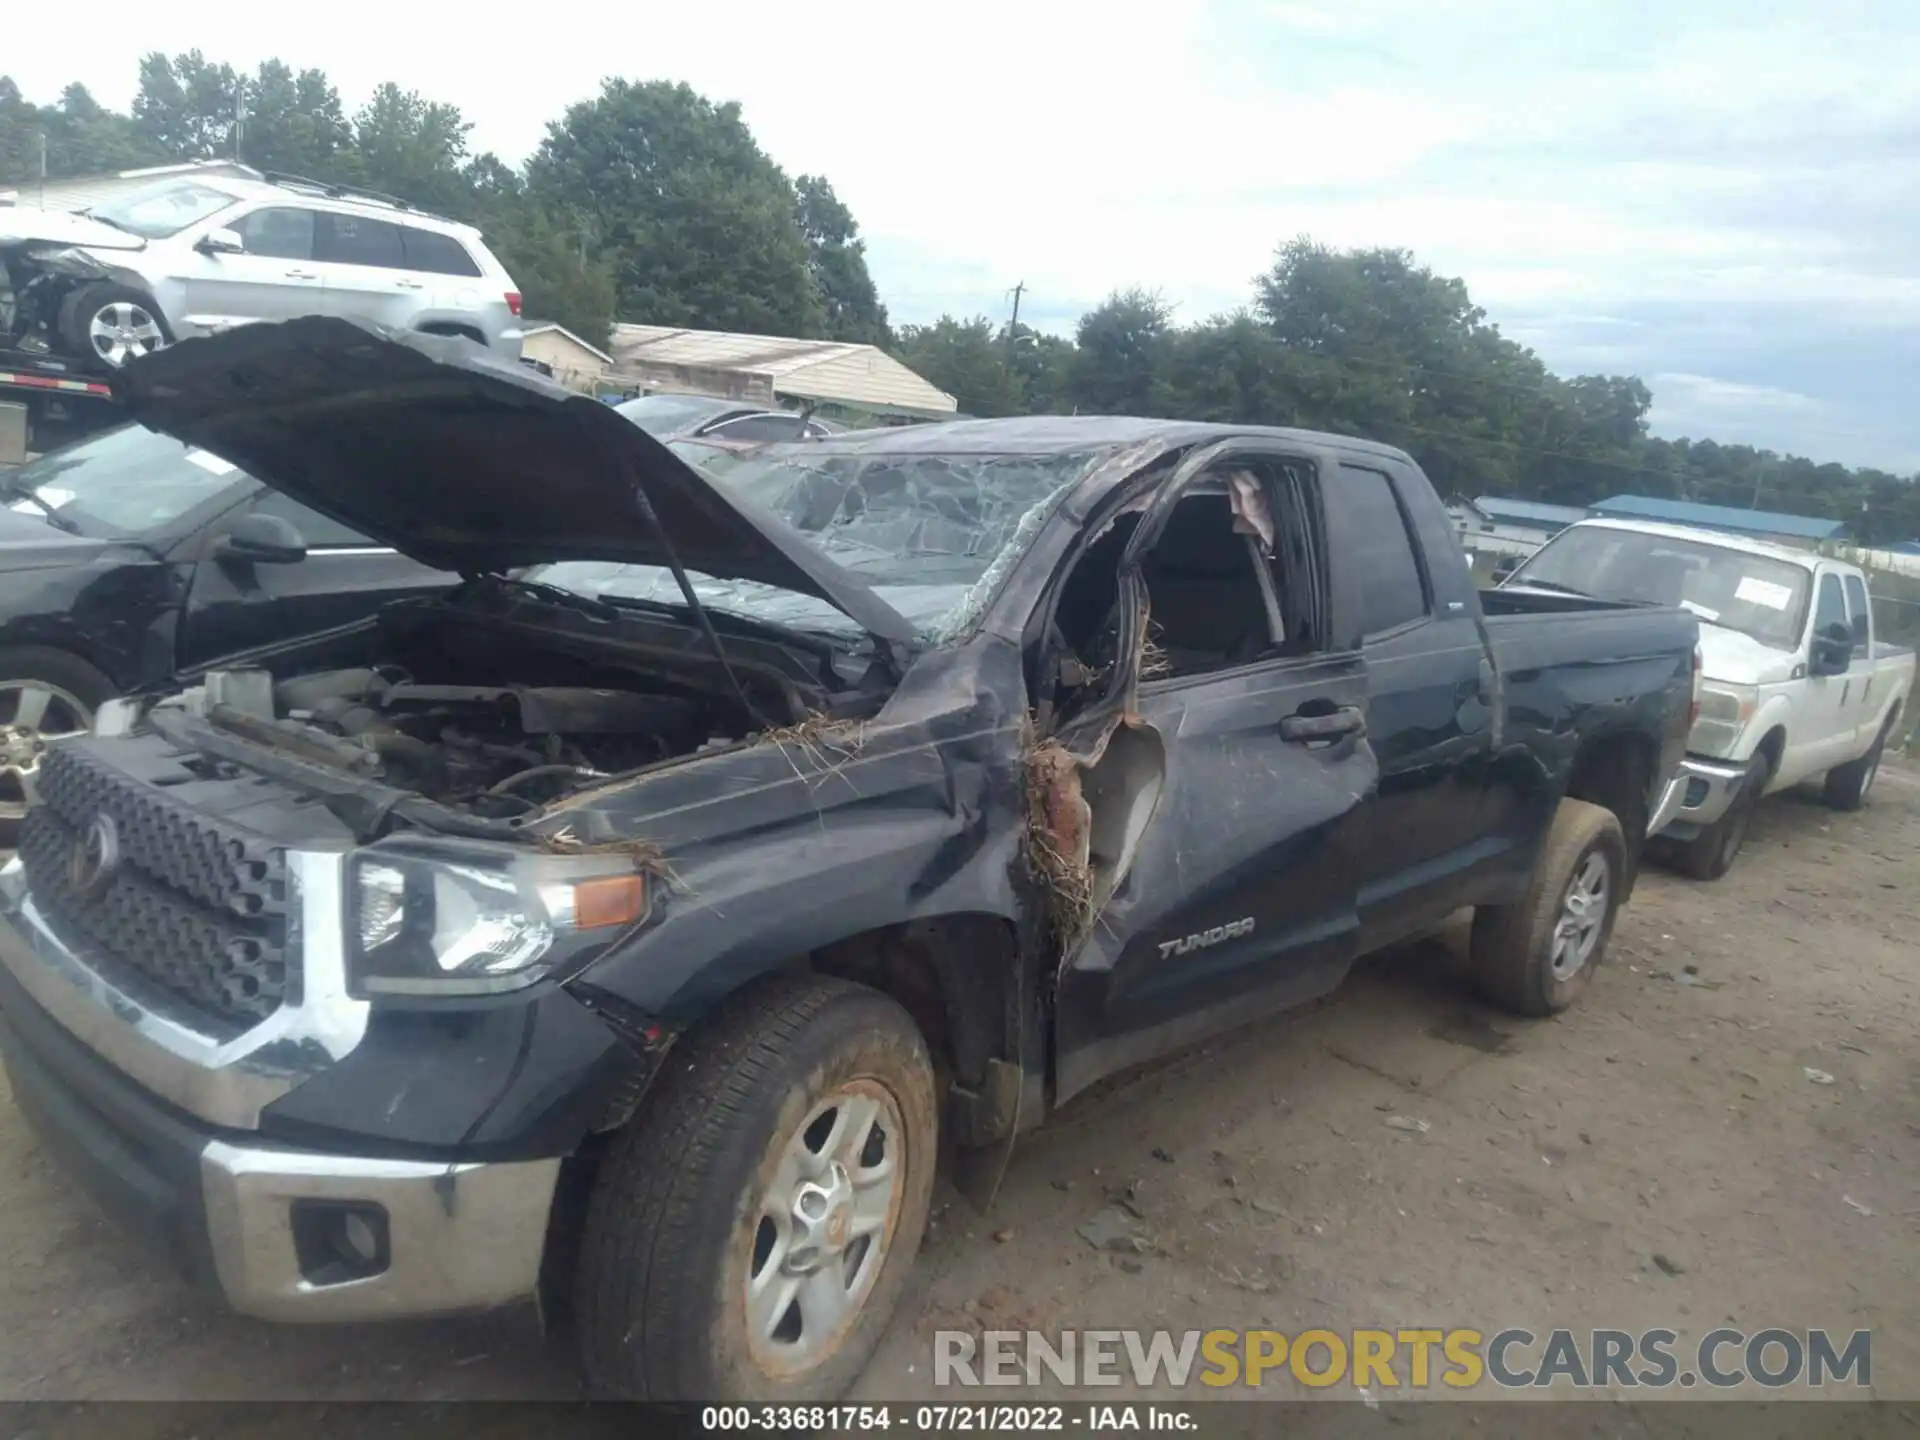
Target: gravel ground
[[1659, 1156]]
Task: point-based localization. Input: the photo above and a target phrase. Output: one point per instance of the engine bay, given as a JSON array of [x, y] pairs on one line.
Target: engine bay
[[497, 751], [496, 708]]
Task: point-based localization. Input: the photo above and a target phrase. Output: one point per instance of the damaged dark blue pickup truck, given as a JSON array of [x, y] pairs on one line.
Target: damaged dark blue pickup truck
[[639, 924]]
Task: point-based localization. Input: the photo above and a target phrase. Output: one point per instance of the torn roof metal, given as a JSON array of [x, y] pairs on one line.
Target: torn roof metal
[[1060, 434]]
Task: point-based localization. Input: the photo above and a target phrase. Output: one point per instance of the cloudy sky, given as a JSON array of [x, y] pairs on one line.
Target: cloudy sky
[[1720, 197]]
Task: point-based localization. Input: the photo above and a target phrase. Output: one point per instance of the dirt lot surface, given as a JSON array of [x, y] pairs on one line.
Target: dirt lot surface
[[1671, 1153]]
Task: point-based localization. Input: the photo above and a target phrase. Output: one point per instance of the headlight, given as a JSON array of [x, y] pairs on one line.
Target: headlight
[[446, 917], [1728, 704], [1724, 712]]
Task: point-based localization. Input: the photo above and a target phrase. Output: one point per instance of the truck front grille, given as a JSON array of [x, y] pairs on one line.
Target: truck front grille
[[192, 905]]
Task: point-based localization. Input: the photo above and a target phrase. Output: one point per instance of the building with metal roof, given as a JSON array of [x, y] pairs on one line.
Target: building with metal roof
[[557, 351], [1795, 529], [1534, 514], [771, 369], [88, 190]]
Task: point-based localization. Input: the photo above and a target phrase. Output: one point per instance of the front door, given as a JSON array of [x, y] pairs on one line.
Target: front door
[[294, 613], [1826, 730], [275, 279], [1227, 809]]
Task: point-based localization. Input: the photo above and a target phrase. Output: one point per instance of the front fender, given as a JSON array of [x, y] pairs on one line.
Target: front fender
[[758, 908], [1775, 712]]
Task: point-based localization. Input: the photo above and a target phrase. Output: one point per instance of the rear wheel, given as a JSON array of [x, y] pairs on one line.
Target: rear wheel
[[1711, 853], [748, 1234], [1848, 785], [111, 323], [44, 695], [1537, 956]]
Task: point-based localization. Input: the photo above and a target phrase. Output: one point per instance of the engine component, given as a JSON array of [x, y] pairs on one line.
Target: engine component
[[500, 749], [558, 710]]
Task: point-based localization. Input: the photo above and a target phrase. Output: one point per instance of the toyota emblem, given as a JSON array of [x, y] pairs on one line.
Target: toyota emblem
[[96, 856]]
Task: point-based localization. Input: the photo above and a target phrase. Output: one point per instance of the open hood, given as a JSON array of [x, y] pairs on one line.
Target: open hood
[[462, 460], [33, 227]]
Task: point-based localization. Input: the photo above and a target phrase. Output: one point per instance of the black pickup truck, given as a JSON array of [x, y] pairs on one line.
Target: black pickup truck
[[639, 930]]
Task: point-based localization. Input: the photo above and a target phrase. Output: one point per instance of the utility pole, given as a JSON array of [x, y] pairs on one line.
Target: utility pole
[[43, 169], [1758, 480], [239, 116], [1013, 334]]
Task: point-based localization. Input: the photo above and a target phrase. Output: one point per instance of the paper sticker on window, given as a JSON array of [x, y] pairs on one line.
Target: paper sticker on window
[[49, 495], [1763, 592], [211, 463]]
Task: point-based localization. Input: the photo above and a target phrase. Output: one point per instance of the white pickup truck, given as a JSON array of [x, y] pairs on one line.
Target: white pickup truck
[[1793, 684]]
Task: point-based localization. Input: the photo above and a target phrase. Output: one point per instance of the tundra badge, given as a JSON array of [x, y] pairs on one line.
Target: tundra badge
[[1233, 930]]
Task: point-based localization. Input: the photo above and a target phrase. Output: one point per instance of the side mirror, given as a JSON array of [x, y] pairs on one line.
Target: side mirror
[[221, 242], [1832, 651], [262, 540]]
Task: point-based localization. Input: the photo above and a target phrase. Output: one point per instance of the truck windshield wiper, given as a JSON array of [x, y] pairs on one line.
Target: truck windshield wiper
[[558, 595], [104, 220], [32, 497], [1552, 585]]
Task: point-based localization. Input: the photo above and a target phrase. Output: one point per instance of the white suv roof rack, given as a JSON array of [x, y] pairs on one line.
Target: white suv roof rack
[[335, 191]]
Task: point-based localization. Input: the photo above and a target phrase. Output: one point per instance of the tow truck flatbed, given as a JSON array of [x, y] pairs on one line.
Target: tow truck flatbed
[[62, 401]]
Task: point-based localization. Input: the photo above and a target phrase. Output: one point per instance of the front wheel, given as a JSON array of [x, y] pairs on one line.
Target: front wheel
[[1710, 854], [45, 695], [1848, 785], [111, 323], [748, 1234], [1537, 956]]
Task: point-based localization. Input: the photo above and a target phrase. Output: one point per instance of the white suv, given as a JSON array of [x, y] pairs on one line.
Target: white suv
[[192, 255]]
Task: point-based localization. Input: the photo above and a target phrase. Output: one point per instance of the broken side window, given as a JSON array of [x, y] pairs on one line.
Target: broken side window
[[1235, 576]]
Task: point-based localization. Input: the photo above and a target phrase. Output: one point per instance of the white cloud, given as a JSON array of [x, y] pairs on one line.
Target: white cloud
[[1561, 159]]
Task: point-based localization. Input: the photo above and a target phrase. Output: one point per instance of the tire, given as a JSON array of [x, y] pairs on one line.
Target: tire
[[1710, 854], [69, 690], [674, 1227], [137, 325], [1849, 785], [1516, 962]]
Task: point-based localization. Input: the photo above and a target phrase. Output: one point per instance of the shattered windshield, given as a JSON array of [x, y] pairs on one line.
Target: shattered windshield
[[933, 535], [162, 210], [119, 484]]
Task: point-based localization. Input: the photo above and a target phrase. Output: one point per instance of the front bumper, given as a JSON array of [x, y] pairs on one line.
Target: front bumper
[[1706, 791], [266, 1226]]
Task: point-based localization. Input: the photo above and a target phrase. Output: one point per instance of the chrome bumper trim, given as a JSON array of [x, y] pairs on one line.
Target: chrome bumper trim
[[460, 1237], [224, 1081], [1723, 783], [1669, 806]]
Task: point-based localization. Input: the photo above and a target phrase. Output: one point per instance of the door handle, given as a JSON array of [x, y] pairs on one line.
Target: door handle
[[1347, 720], [302, 275]]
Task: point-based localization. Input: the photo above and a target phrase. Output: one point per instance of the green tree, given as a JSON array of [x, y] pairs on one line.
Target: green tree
[[81, 137], [1232, 369], [1121, 348], [185, 105], [412, 147], [293, 122], [1042, 367], [965, 358], [698, 224], [837, 257], [559, 279]]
